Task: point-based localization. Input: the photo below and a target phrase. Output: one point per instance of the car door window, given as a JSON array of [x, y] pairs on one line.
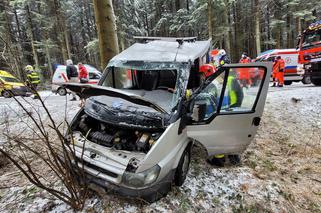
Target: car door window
[[206, 103], [242, 90]]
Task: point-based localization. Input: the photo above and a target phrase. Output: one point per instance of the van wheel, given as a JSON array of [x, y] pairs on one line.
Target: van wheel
[[6, 94], [183, 166], [306, 80], [62, 91], [287, 82]]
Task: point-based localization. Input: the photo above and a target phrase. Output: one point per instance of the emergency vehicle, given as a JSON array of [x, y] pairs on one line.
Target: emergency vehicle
[[10, 85], [309, 48], [60, 77], [290, 57]]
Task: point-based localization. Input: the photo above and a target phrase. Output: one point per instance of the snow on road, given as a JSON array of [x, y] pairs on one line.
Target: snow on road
[[279, 173]]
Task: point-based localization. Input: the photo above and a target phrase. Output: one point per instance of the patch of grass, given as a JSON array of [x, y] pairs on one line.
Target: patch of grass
[[216, 201], [314, 207], [251, 163], [30, 191], [252, 208], [288, 196], [269, 165], [283, 140], [185, 204], [3, 161]]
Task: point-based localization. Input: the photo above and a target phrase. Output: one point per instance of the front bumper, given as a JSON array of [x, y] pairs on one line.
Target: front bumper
[[151, 194], [105, 167], [313, 70], [21, 91]]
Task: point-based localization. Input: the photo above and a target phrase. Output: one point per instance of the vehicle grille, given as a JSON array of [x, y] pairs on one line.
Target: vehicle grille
[[99, 169]]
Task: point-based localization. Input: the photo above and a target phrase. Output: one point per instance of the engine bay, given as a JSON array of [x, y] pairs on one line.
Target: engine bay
[[116, 137]]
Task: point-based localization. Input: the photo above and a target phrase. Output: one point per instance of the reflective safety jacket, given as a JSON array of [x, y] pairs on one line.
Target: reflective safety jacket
[[281, 64], [33, 77], [235, 92], [245, 60], [276, 66]]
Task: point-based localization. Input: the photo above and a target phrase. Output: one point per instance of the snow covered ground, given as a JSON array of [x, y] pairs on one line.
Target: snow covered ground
[[280, 172]]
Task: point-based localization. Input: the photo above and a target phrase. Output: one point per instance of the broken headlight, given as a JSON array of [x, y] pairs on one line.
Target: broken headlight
[[141, 179]]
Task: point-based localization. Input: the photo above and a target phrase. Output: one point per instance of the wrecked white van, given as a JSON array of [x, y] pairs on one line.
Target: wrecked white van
[[138, 127]]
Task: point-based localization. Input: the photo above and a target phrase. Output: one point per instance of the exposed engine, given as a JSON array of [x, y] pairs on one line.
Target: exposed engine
[[116, 137]]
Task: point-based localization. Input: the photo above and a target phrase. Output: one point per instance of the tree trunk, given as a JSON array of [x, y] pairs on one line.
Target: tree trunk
[[14, 60], [210, 19], [298, 25], [227, 39], [257, 27], [32, 37], [48, 55], [107, 35]]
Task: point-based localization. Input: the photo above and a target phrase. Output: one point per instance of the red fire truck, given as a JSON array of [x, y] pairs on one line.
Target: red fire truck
[[309, 46]]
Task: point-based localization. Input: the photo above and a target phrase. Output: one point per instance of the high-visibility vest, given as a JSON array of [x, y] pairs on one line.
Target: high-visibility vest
[[33, 77], [276, 66], [231, 92], [245, 61], [282, 64]]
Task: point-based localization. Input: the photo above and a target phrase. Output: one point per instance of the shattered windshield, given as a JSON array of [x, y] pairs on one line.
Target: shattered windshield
[[312, 38], [154, 82]]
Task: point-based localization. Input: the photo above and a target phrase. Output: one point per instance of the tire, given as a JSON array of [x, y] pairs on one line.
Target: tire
[[235, 159], [306, 80], [183, 166], [287, 82], [316, 82], [62, 91], [6, 94]]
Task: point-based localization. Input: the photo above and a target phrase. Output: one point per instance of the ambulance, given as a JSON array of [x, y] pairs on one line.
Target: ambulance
[[290, 57], [10, 85], [60, 77]]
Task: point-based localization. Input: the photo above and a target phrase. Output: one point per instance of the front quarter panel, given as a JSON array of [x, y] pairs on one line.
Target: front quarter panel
[[167, 151]]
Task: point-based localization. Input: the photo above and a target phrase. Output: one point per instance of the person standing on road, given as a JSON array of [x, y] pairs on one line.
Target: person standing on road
[[72, 75], [275, 71], [83, 77], [280, 74], [33, 80], [244, 73]]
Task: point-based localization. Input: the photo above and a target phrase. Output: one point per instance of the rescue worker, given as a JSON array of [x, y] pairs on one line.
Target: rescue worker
[[280, 74], [72, 75], [223, 58], [219, 58], [275, 71], [244, 73], [33, 80], [83, 77], [204, 72], [236, 95], [235, 91]]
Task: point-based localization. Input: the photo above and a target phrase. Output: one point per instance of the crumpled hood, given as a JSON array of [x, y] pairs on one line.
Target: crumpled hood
[[117, 111], [88, 90]]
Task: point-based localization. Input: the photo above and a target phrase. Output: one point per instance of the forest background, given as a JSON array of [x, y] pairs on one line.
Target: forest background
[[45, 33]]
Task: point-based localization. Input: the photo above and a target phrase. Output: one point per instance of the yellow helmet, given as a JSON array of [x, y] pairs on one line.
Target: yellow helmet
[[29, 68]]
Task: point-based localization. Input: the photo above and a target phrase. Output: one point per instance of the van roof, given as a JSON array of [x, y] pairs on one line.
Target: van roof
[[274, 51], [164, 51]]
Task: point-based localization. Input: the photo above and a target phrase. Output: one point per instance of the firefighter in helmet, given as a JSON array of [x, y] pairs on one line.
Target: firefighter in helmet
[[33, 80]]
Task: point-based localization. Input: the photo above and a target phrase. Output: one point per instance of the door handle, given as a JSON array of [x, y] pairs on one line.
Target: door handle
[[256, 121]]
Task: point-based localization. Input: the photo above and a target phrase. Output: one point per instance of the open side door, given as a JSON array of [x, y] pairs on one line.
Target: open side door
[[226, 112]]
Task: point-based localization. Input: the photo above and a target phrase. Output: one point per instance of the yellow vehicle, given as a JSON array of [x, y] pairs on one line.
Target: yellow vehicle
[[10, 85]]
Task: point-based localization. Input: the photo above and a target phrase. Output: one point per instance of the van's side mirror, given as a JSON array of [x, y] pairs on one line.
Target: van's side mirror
[[199, 111]]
